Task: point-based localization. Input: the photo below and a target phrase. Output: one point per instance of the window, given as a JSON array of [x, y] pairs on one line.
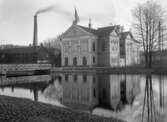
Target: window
[[84, 61], [66, 77], [66, 61], [85, 78], [103, 45], [94, 80], [75, 61], [104, 93], [75, 78], [93, 47], [94, 93], [94, 59]]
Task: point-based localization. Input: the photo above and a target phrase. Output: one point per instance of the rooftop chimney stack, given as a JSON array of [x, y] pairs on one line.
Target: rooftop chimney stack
[[90, 25], [35, 36]]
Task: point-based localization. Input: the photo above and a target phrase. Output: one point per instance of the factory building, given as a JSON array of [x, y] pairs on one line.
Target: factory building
[[105, 46], [30, 54]]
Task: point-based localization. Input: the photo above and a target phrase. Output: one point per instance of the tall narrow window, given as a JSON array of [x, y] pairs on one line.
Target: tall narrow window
[[84, 61], [66, 77], [75, 61], [75, 78], [103, 45], [94, 79], [66, 61], [94, 93], [93, 47], [85, 78], [94, 59]]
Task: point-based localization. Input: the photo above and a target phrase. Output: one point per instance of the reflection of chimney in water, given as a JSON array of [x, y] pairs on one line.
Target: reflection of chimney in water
[[35, 36]]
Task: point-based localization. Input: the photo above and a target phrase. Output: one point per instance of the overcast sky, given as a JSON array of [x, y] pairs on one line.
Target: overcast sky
[[16, 17]]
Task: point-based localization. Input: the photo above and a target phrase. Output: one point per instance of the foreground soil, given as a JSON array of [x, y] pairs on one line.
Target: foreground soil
[[25, 110]]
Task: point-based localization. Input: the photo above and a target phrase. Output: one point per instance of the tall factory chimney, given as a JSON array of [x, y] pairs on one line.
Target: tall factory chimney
[[35, 36]]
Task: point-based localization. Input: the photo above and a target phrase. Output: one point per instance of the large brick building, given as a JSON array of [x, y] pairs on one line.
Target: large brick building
[[106, 46]]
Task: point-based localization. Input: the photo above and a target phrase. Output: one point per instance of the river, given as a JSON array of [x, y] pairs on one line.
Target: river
[[120, 96]]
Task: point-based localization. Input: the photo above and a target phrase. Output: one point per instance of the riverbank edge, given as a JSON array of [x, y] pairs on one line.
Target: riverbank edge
[[21, 109], [110, 70]]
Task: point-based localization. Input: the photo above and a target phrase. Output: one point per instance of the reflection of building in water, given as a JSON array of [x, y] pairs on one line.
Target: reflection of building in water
[[109, 90], [80, 91], [132, 87], [116, 90]]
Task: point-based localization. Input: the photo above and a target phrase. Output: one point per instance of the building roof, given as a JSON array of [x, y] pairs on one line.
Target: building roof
[[18, 50], [123, 36], [90, 30], [100, 31], [107, 30], [25, 49]]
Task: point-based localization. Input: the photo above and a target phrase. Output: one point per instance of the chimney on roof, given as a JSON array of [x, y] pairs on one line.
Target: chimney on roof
[[90, 25], [119, 28]]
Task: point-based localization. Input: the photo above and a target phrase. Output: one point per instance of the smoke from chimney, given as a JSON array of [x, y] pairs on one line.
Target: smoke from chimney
[[54, 8], [47, 9], [35, 35]]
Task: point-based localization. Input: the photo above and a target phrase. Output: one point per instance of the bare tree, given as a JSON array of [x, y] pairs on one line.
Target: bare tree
[[148, 21], [148, 25], [53, 42]]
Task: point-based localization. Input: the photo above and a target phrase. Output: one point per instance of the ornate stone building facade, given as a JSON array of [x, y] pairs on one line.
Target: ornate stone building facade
[[84, 46], [79, 47]]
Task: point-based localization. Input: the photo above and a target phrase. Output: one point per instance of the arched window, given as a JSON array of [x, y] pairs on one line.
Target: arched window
[[66, 61], [84, 61], [75, 61]]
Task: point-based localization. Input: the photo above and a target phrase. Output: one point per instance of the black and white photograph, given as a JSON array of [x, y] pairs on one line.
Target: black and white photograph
[[83, 61]]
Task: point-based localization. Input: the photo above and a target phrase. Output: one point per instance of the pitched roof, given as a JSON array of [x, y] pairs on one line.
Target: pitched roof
[[90, 30], [19, 50], [123, 36], [100, 31], [25, 49], [106, 30]]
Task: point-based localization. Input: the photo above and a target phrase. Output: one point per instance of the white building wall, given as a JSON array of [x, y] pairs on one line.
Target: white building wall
[[114, 50], [132, 52], [79, 47]]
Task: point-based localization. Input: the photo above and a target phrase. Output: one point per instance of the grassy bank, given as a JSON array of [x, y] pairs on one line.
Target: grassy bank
[[25, 110]]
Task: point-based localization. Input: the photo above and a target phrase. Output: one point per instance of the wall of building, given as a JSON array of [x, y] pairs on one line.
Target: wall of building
[[79, 48], [103, 51], [114, 49], [131, 52]]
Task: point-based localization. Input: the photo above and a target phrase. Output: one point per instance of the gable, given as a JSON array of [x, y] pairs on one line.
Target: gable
[[113, 33], [76, 31], [129, 37]]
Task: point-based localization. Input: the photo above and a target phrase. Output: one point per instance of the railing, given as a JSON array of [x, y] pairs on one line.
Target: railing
[[23, 67], [26, 79]]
